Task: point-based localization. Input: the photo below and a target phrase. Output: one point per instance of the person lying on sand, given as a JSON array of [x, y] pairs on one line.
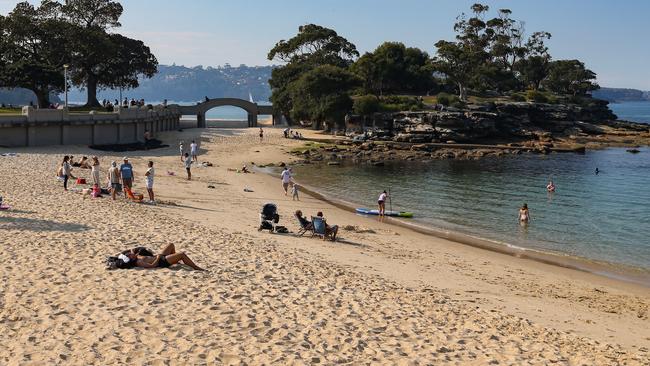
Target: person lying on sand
[[141, 257]]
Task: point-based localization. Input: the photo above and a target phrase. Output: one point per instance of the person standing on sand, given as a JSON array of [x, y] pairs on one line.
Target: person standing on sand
[[126, 171], [114, 179], [524, 215], [149, 181], [180, 147], [188, 165], [381, 201], [95, 170], [194, 151], [261, 134], [286, 179], [294, 192], [66, 171]]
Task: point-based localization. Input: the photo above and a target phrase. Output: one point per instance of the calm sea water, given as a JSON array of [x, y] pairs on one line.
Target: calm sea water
[[632, 111], [604, 217]]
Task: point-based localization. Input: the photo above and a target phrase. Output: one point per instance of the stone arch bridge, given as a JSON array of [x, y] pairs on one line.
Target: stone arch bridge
[[253, 110]]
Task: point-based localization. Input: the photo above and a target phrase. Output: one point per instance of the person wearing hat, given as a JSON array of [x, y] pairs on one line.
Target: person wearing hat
[[126, 170]]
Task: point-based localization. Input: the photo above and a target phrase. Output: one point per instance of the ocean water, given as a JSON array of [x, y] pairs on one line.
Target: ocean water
[[604, 217], [632, 111]]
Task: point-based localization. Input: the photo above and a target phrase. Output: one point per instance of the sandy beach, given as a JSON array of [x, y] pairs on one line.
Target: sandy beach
[[382, 294]]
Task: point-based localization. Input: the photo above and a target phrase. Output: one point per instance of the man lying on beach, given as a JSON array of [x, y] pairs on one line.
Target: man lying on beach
[[144, 258]]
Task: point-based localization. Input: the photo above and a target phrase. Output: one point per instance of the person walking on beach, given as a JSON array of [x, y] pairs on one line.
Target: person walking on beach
[[188, 165], [524, 215], [286, 179], [180, 147], [261, 134], [381, 201], [149, 181], [194, 151], [126, 172], [114, 179], [66, 171], [294, 192], [95, 170]]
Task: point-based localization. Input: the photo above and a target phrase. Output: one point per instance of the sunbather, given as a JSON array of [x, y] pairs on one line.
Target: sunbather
[[141, 257]]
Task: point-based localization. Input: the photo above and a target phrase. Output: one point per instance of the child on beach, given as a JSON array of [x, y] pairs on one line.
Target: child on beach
[[149, 181], [188, 165], [180, 147], [294, 192]]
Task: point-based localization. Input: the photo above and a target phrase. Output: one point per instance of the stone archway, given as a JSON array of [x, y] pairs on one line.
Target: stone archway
[[251, 108]]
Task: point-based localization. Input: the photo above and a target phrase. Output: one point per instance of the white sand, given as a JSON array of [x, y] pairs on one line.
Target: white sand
[[390, 296]]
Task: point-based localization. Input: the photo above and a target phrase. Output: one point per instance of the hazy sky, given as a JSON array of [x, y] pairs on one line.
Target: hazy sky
[[611, 37]]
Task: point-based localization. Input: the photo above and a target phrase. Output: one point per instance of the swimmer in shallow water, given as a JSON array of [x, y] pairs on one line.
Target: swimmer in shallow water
[[551, 186], [524, 214]]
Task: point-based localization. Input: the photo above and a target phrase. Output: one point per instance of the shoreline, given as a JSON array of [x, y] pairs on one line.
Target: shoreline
[[615, 271]]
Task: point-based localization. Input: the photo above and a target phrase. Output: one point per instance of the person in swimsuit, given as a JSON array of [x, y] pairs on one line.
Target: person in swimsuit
[[167, 258], [550, 187], [524, 215], [382, 203]]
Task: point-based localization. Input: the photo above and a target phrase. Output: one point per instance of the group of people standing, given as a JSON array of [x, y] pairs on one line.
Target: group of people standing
[[189, 158], [118, 178]]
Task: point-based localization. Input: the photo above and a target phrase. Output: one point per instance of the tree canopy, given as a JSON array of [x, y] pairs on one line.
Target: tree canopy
[[38, 40]]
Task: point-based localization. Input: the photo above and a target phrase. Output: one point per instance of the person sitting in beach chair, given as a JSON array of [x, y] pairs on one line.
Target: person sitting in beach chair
[[144, 258], [305, 225], [269, 217], [322, 229]]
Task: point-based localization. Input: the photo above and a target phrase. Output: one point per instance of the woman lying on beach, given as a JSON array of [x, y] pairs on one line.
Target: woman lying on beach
[[142, 257]]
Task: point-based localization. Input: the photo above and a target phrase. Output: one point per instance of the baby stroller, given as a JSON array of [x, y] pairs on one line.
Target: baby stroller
[[269, 217]]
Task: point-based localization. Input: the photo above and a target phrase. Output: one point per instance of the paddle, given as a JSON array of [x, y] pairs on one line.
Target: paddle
[[390, 199]]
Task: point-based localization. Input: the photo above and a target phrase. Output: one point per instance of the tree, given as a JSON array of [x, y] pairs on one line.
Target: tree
[[313, 46], [32, 55], [394, 68], [533, 70], [366, 105], [458, 63], [100, 59], [570, 77], [321, 95]]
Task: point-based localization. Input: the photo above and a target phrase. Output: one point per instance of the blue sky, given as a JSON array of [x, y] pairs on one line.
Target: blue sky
[[611, 37]]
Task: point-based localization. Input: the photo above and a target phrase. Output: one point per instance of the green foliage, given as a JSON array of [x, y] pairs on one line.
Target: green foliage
[[321, 95], [366, 105], [447, 99], [518, 97], [533, 70], [312, 47], [394, 68], [570, 77], [536, 96], [396, 103]]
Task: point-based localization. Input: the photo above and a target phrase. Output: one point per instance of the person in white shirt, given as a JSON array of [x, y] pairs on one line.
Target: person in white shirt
[[149, 181], [188, 165], [382, 203], [286, 179], [194, 151], [180, 147]]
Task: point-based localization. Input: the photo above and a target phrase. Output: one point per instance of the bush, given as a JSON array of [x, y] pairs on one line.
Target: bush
[[536, 96], [444, 99], [396, 103], [518, 97], [366, 105]]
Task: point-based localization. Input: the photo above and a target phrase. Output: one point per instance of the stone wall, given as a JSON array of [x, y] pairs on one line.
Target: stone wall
[[41, 127]]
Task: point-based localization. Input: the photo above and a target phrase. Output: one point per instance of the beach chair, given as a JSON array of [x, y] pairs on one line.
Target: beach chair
[[319, 228], [305, 225]]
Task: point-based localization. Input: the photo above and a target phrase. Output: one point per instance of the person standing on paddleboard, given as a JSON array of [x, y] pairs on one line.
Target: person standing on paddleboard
[[382, 203]]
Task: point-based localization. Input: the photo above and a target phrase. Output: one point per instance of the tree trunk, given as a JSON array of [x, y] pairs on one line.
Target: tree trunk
[[43, 98], [91, 87], [462, 92]]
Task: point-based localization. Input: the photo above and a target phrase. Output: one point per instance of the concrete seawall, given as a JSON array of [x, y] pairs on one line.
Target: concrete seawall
[[41, 127]]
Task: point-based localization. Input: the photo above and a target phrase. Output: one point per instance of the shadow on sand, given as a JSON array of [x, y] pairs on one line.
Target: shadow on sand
[[27, 224]]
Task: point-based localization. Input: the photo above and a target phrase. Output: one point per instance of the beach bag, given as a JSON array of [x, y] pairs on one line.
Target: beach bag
[[113, 263], [281, 229], [81, 181], [265, 225]]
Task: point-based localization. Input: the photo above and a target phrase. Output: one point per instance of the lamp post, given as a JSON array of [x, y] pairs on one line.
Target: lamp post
[[65, 76]]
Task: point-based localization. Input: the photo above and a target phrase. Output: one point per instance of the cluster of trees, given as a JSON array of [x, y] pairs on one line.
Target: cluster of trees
[[37, 41], [322, 71]]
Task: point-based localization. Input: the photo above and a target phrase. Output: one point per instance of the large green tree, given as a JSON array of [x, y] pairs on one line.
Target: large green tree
[[570, 77], [313, 46], [100, 59], [321, 96], [394, 68], [32, 51]]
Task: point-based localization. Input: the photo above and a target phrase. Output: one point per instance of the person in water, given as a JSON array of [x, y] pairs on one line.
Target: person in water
[[382, 203], [550, 187], [524, 215], [140, 257], [597, 171]]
